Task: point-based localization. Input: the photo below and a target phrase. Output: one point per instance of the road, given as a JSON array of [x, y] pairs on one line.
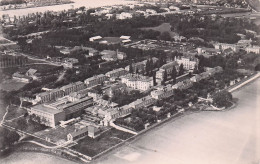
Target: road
[[40, 60]]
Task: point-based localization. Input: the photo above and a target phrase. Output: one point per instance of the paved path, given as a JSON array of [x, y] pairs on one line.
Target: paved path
[[48, 147], [245, 82]]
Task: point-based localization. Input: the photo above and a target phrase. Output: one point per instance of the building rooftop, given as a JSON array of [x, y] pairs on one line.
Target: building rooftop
[[136, 77], [169, 65], [46, 109]]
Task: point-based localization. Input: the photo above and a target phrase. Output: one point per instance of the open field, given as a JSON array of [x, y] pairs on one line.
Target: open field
[[92, 147], [165, 27], [11, 85]]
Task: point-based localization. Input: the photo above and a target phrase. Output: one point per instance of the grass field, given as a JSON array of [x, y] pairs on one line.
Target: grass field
[[92, 147], [165, 27]]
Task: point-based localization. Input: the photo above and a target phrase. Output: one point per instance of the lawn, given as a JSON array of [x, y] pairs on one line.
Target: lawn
[[92, 147], [165, 27], [11, 85], [14, 112]]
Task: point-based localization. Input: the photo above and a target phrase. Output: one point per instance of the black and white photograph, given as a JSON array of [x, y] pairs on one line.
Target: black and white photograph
[[130, 81]]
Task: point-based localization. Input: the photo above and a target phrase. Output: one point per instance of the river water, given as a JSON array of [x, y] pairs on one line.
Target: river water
[[230, 137], [76, 4]]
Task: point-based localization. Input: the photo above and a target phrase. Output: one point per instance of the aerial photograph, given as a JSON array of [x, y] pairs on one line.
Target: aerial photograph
[[130, 81]]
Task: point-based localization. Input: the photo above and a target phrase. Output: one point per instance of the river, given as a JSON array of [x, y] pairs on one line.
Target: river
[[230, 137], [76, 4]]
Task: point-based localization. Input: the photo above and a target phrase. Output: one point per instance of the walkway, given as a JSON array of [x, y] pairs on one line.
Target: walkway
[[245, 82], [48, 147]]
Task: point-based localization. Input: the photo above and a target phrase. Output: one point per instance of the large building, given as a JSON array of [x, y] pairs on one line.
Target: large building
[[224, 46], [95, 80], [59, 92], [140, 66], [162, 92], [114, 113], [204, 75], [185, 84], [124, 15], [109, 55], [143, 102], [52, 113], [188, 63], [208, 51], [116, 73], [168, 69], [138, 82], [253, 49], [7, 61]]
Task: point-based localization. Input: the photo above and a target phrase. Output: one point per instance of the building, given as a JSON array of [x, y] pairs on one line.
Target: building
[[196, 78], [77, 134], [138, 82], [59, 92], [73, 87], [93, 131], [114, 89], [185, 84], [49, 116], [143, 102], [208, 51], [69, 62], [166, 68], [52, 113], [124, 15], [114, 113], [7, 61], [224, 46], [150, 11], [244, 43], [116, 73], [253, 49], [22, 78], [75, 109], [95, 38], [204, 75], [95, 80], [109, 55], [105, 103], [162, 92], [188, 63], [121, 55], [140, 66]]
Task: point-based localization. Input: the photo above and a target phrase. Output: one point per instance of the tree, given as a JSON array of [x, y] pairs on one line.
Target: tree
[[222, 99], [164, 77], [21, 124], [181, 70], [136, 71], [148, 67], [154, 78], [174, 74], [165, 36], [257, 67]]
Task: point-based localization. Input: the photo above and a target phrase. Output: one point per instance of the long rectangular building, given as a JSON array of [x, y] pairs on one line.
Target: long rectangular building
[[52, 113], [59, 92], [139, 82], [95, 80]]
